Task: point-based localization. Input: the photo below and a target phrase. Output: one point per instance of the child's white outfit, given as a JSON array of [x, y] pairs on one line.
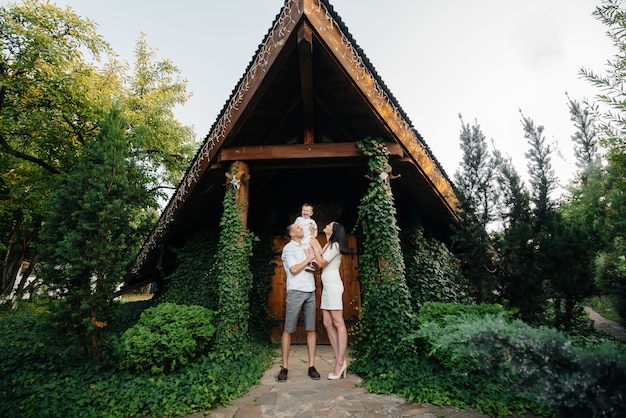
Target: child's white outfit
[[306, 228], [305, 242]]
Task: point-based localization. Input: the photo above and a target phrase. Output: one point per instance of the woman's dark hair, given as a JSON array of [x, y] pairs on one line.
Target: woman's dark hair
[[340, 237]]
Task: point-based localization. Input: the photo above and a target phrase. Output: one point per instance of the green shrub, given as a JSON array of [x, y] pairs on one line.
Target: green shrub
[[29, 341], [438, 311], [538, 363], [583, 383], [167, 336], [88, 390]]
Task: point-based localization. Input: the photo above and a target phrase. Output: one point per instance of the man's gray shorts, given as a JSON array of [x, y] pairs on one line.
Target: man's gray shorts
[[297, 300]]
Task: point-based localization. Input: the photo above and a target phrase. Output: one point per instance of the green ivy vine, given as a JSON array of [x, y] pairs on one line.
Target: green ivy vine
[[387, 315], [192, 282], [234, 277], [262, 266]]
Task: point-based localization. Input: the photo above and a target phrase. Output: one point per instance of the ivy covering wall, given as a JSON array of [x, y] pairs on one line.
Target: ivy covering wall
[[432, 270], [387, 315], [192, 282]]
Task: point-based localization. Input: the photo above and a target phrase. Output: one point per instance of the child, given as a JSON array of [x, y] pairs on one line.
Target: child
[[310, 231]]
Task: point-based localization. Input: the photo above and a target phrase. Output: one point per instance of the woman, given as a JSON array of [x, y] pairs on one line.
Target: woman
[[329, 260]]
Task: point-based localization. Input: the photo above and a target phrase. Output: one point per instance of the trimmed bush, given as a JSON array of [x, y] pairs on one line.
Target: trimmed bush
[[166, 337]]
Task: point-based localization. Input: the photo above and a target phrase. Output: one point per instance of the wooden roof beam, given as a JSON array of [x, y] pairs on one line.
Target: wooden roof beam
[[299, 151], [305, 53]]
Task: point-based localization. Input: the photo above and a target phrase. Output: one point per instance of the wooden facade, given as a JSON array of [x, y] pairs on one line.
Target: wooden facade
[[308, 95]]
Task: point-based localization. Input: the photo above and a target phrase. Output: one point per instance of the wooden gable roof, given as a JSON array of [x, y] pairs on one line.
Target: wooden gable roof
[[307, 96]]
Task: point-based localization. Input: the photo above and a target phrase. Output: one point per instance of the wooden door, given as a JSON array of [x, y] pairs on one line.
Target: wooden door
[[351, 294]]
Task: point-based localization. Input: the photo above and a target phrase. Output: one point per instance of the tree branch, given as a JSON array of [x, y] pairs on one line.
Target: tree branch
[[7, 148]]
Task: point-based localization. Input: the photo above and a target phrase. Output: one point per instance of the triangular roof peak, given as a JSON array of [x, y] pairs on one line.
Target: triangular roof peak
[[309, 22]]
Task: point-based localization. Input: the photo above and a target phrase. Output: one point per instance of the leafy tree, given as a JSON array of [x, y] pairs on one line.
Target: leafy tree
[[50, 102], [544, 264], [91, 233], [571, 242], [598, 207], [612, 123], [53, 94], [154, 89], [611, 273], [542, 183], [611, 207]]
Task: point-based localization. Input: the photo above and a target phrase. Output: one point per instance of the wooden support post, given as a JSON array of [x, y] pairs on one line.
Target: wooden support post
[[305, 50], [242, 177]]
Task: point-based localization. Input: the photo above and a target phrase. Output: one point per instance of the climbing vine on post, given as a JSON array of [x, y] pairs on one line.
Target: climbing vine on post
[[232, 267], [386, 311]]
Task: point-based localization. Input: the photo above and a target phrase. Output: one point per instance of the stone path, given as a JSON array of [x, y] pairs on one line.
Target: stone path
[[606, 325], [300, 396]]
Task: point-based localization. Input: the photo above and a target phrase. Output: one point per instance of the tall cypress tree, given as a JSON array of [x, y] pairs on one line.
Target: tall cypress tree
[[91, 235], [475, 177], [475, 184], [514, 244], [542, 177], [585, 138]]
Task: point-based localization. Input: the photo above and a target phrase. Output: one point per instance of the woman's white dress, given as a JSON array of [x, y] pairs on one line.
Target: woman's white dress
[[332, 291]]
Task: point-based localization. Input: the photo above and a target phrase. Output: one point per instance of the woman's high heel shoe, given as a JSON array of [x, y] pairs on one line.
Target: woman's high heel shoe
[[343, 372]]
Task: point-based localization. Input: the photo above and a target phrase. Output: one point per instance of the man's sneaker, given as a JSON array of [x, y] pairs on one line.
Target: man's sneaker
[[314, 264], [282, 376], [310, 268], [313, 374]]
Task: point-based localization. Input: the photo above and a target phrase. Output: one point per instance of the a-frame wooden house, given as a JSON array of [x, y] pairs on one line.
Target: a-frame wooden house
[[307, 96]]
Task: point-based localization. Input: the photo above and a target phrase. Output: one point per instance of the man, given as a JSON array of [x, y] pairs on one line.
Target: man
[[300, 296]]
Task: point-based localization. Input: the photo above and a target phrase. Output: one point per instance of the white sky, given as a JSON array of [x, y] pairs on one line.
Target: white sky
[[483, 59]]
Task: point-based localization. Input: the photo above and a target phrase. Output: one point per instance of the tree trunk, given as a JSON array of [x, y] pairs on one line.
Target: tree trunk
[[23, 284], [569, 312], [6, 283], [13, 264]]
